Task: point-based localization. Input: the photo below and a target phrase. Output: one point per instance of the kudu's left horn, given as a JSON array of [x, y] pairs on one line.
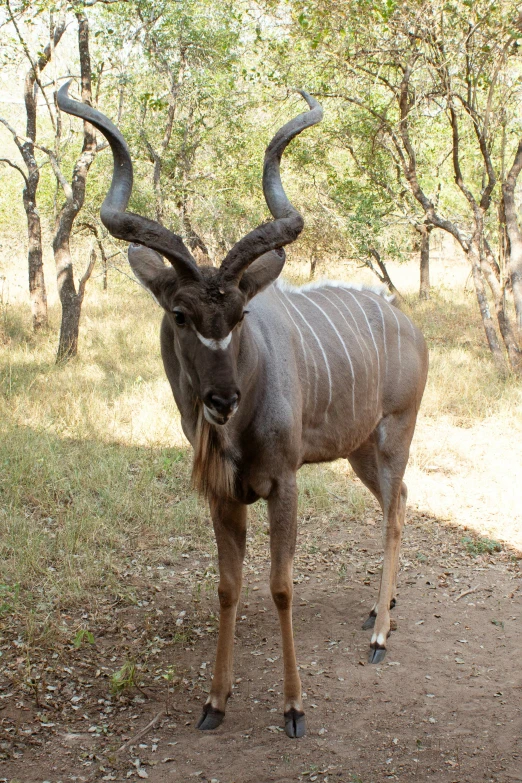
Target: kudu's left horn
[[121, 224], [288, 222]]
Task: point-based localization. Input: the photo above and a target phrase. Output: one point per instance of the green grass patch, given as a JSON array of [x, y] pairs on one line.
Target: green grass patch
[[480, 545]]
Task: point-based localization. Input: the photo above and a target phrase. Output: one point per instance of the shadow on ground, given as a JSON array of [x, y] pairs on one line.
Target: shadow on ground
[[129, 662]]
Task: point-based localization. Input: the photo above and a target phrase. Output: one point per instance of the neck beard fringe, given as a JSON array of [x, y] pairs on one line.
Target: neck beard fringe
[[214, 465]]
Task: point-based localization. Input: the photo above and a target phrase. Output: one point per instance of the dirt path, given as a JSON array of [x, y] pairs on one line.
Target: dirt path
[[445, 705]]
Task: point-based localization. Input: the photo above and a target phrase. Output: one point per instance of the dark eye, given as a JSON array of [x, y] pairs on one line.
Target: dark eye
[[179, 317], [242, 316]]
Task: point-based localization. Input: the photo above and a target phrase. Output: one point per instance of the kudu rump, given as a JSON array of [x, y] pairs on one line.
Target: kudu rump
[[304, 375]]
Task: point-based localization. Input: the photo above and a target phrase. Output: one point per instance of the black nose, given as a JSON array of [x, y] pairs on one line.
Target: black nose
[[221, 404]]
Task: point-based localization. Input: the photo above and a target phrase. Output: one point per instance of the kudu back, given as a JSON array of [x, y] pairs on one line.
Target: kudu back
[[267, 378]]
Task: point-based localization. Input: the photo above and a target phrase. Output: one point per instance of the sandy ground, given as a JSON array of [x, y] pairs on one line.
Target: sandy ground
[[471, 476], [445, 705]]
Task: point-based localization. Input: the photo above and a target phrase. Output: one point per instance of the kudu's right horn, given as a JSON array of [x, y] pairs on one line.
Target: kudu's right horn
[[122, 224]]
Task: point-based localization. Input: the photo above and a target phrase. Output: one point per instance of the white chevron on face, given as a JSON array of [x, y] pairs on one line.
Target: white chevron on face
[[215, 345]]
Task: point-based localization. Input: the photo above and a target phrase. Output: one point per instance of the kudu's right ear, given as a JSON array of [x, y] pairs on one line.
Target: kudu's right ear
[[146, 265]]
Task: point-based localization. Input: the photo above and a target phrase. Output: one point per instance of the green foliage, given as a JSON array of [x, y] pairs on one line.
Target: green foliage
[[198, 87], [357, 54], [480, 546], [8, 598], [125, 678], [83, 635]]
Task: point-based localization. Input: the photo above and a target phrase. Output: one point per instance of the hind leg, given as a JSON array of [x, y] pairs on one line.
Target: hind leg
[[380, 463], [364, 462]]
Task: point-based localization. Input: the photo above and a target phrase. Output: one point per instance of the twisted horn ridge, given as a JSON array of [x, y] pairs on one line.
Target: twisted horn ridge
[[121, 224], [288, 223]]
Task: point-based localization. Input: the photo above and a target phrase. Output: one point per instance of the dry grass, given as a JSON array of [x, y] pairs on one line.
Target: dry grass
[[94, 469]]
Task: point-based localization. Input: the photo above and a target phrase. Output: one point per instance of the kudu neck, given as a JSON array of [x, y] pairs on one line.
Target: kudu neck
[[249, 366]]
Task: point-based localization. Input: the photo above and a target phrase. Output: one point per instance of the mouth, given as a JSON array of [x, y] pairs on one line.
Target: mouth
[[213, 417]]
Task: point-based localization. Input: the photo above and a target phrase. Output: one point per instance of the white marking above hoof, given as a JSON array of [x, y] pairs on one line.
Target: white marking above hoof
[[380, 639]]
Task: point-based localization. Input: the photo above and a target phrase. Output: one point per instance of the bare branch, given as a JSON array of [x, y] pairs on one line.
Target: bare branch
[[14, 166], [58, 172], [493, 84], [459, 179], [409, 170], [87, 274], [481, 135], [16, 137], [36, 67]]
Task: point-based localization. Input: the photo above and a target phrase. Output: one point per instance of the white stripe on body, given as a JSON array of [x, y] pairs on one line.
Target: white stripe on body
[[303, 346], [329, 287], [320, 347], [377, 387], [375, 301], [350, 327], [342, 343], [215, 345], [362, 345], [399, 351], [412, 327]]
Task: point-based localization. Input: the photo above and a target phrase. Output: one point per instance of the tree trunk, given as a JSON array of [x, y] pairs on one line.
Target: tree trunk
[[424, 231], [105, 267], [97, 233], [71, 300], [313, 265], [504, 321], [190, 235], [487, 321], [514, 235], [37, 292], [383, 276], [176, 80]]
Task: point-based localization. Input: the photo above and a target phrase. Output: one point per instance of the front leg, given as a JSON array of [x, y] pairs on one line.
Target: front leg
[[229, 518], [282, 513]]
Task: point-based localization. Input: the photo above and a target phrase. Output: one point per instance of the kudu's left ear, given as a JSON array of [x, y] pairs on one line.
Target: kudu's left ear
[[146, 265], [263, 271]]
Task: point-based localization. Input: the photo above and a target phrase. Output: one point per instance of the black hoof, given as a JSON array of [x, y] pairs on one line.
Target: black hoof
[[295, 725], [210, 718], [370, 621], [377, 654], [393, 602]]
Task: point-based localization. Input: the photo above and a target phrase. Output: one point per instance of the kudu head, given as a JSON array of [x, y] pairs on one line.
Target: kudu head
[[206, 305]]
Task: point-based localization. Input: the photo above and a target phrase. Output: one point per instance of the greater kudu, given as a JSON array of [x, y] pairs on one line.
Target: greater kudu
[[309, 375]]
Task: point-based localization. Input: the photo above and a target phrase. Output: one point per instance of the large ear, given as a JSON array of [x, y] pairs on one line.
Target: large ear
[[263, 271], [146, 264]]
